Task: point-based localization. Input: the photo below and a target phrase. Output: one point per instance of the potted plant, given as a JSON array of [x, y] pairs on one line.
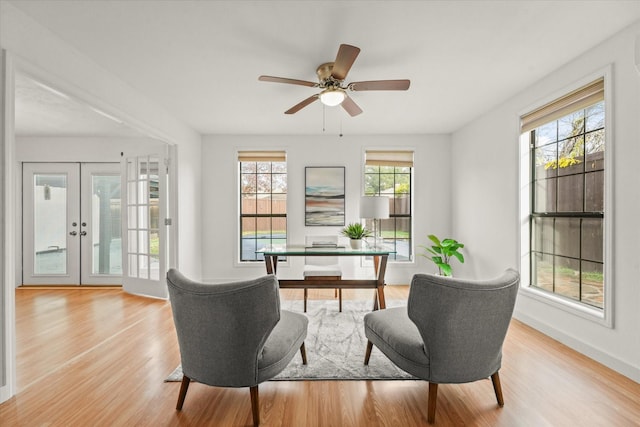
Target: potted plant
[[356, 232], [441, 252]]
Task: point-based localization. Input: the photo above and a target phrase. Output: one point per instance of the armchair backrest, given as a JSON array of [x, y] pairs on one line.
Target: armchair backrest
[[463, 323], [222, 328]]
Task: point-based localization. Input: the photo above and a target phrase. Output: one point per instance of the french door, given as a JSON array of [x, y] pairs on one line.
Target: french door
[[145, 181], [71, 224]]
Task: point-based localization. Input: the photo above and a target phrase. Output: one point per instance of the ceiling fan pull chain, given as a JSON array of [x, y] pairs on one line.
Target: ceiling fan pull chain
[[323, 117]]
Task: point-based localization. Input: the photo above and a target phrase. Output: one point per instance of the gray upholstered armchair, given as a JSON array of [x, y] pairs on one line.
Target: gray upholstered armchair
[[233, 334], [452, 330]]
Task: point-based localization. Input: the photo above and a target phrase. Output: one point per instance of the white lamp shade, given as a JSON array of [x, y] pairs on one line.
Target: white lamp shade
[[332, 97], [376, 207]]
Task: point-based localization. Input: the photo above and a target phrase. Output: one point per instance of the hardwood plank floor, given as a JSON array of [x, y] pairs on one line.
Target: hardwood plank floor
[[98, 357]]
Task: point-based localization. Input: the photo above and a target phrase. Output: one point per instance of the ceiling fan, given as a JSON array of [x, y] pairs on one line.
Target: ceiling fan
[[331, 77]]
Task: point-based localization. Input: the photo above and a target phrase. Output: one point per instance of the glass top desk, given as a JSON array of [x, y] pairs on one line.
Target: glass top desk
[[380, 256]]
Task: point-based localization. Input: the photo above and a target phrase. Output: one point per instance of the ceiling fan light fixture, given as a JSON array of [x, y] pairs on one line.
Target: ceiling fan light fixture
[[332, 97]]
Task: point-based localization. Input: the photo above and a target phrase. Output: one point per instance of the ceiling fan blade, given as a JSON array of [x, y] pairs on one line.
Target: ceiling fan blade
[[381, 85], [299, 106], [351, 107], [347, 54], [285, 80]]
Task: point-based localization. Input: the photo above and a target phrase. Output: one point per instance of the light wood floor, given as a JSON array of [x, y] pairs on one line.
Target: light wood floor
[[98, 357]]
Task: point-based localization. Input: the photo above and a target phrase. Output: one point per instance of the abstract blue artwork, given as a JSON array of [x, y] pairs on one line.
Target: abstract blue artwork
[[324, 196]]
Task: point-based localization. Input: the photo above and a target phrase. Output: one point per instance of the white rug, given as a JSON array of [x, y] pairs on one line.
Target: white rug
[[335, 345]]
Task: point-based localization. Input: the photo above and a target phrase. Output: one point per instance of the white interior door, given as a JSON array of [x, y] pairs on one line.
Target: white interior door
[[145, 237], [51, 224]]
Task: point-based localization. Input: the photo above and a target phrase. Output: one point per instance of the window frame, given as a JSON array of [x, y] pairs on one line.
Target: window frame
[[605, 315], [410, 216], [239, 216]]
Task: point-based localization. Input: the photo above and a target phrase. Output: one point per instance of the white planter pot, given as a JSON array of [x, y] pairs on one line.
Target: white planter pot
[[356, 243]]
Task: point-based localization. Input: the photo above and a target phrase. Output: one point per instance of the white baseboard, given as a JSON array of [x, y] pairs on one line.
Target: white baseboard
[[5, 393], [606, 359]]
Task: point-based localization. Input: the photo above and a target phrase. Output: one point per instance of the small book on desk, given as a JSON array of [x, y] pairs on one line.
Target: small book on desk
[[324, 245]]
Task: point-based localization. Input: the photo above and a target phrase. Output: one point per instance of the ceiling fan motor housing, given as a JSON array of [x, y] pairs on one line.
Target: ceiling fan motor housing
[[324, 71]]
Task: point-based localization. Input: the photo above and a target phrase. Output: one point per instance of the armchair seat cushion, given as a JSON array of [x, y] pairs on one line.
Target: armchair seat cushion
[[282, 345], [398, 338]]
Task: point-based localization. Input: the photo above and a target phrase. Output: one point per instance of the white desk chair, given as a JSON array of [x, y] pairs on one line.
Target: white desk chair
[[322, 267]]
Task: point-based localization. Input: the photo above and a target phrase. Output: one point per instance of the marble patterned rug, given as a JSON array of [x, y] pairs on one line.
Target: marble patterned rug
[[335, 345]]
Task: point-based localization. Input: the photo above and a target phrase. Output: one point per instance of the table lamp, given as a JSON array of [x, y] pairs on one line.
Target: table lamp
[[375, 208]]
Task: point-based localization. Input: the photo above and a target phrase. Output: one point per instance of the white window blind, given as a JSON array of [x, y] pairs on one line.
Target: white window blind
[[262, 156], [574, 101], [399, 158]]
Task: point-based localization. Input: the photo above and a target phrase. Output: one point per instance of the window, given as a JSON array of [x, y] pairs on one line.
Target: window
[[566, 141], [263, 202], [388, 173]]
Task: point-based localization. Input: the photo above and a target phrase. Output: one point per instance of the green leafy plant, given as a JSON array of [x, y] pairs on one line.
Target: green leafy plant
[[355, 230], [563, 162], [441, 252]]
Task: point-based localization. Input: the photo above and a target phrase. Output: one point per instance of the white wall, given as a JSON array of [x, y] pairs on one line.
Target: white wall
[[190, 209], [220, 199], [485, 203], [79, 149]]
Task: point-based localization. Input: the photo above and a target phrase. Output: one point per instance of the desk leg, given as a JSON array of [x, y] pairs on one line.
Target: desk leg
[[380, 267], [376, 267], [383, 303], [271, 263]]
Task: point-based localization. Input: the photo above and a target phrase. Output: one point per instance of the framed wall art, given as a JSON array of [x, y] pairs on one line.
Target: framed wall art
[[324, 196]]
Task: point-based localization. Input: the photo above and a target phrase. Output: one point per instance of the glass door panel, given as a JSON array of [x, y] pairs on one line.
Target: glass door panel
[[50, 219], [106, 241], [154, 221]]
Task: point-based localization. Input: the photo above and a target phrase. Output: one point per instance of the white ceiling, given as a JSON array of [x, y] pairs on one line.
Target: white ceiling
[[200, 60]]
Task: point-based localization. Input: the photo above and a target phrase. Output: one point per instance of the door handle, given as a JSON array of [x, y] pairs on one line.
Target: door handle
[[73, 233], [83, 233]]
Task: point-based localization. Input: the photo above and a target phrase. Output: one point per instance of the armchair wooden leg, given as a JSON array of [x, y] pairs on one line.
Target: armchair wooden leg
[[367, 353], [497, 387], [306, 292], [255, 407], [340, 299], [303, 353], [431, 406], [183, 391]]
